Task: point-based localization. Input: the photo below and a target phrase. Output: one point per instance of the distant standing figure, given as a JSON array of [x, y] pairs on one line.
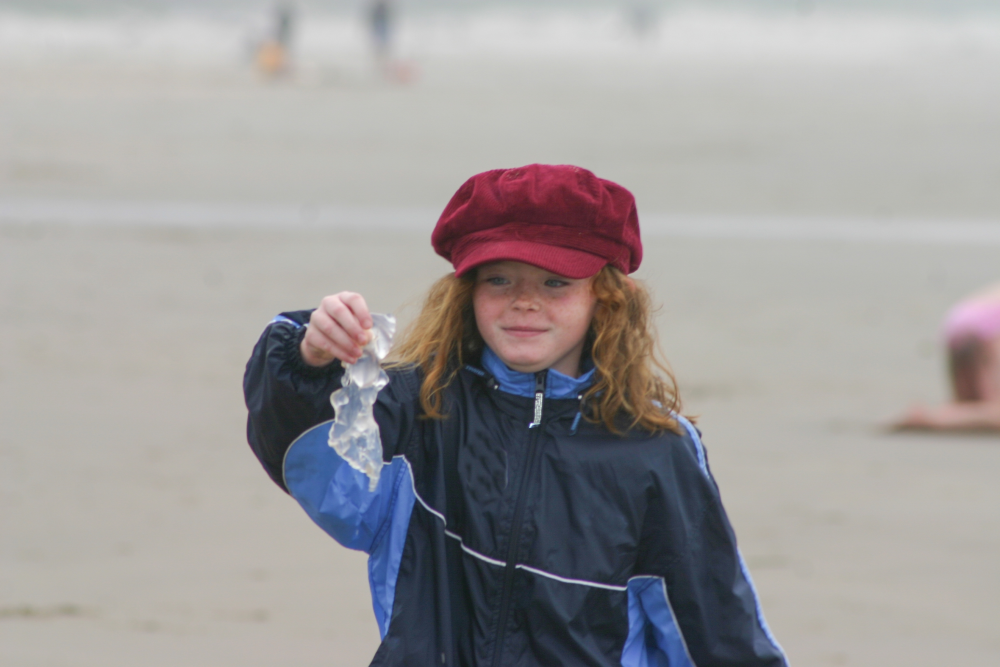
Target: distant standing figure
[[642, 18], [972, 334], [272, 57], [380, 20]]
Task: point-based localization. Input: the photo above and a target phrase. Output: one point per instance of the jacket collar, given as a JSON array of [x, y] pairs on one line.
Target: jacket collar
[[557, 385]]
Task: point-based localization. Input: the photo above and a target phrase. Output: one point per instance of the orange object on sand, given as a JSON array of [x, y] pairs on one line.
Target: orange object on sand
[[272, 59]]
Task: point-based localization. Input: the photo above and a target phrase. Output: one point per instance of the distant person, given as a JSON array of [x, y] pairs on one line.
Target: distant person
[[972, 334], [642, 19], [380, 16], [381, 23], [273, 54]]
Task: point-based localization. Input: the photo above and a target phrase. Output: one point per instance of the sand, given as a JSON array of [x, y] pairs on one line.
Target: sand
[[137, 528], [910, 139]]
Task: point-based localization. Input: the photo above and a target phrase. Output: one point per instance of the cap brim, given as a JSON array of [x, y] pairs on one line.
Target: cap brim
[[566, 262]]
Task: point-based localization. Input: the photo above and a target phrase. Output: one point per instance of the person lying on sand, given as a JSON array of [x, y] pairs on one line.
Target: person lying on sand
[[972, 332]]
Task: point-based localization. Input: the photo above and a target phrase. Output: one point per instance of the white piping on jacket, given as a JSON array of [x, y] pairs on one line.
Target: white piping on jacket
[[494, 561]]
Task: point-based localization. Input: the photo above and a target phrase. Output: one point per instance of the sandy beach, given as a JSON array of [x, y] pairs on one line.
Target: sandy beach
[[136, 528]]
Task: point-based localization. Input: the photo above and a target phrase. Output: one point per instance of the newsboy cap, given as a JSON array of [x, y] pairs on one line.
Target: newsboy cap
[[558, 217]]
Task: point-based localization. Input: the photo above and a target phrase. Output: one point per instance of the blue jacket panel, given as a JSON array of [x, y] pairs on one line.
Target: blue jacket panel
[[337, 498], [492, 543]]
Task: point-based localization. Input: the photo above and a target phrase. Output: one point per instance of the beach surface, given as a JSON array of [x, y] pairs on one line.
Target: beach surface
[[809, 223]]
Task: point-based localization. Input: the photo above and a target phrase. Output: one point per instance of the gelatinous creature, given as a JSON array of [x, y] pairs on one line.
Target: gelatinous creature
[[354, 434]]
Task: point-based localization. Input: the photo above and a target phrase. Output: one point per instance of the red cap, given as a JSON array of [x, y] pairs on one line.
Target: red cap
[[557, 217]]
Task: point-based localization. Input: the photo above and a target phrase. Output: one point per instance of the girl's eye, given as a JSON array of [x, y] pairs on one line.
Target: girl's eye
[[496, 280], [555, 282]]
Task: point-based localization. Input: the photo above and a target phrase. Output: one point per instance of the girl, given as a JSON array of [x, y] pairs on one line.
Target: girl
[[543, 502]]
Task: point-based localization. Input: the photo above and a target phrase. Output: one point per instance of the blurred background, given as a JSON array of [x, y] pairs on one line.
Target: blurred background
[[817, 183]]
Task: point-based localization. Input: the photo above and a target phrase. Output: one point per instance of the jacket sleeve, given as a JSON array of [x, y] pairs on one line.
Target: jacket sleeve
[[698, 605], [284, 395]]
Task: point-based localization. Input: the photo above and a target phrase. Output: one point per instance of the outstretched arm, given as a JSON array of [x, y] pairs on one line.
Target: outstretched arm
[[977, 416], [284, 395], [294, 368]]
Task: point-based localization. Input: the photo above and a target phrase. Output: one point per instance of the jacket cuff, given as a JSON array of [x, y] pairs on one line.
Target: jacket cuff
[[293, 357]]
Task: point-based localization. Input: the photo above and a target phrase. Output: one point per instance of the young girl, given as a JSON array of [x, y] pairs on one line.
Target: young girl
[[543, 501]]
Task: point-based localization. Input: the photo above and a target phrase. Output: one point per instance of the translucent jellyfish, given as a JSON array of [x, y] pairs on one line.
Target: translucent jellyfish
[[354, 434]]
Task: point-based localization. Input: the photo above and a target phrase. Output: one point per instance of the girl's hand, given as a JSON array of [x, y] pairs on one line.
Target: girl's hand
[[338, 329]]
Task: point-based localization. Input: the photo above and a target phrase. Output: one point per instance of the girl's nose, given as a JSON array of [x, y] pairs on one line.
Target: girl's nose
[[525, 299]]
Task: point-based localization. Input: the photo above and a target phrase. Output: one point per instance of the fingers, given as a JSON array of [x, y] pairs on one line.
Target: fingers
[[324, 342], [356, 303], [338, 329], [350, 313]]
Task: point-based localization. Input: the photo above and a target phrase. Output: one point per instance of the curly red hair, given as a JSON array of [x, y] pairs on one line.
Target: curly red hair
[[631, 379]]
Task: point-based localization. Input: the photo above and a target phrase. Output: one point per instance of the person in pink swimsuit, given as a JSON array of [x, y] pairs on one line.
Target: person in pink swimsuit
[[972, 334]]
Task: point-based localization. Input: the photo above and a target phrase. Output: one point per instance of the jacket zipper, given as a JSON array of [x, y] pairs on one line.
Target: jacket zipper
[[515, 528]]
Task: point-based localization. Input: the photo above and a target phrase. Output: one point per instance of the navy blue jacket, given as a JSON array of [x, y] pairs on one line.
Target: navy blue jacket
[[494, 543]]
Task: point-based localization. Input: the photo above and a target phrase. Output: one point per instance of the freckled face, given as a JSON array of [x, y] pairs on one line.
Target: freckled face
[[532, 318]]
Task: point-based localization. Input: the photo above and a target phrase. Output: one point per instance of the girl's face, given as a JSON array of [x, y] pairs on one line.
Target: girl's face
[[532, 318]]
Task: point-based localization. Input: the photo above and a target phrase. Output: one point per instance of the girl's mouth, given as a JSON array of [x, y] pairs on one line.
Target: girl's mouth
[[523, 332]]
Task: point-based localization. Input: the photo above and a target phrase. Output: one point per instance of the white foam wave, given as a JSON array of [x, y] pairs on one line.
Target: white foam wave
[[169, 40], [228, 215], [505, 33]]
